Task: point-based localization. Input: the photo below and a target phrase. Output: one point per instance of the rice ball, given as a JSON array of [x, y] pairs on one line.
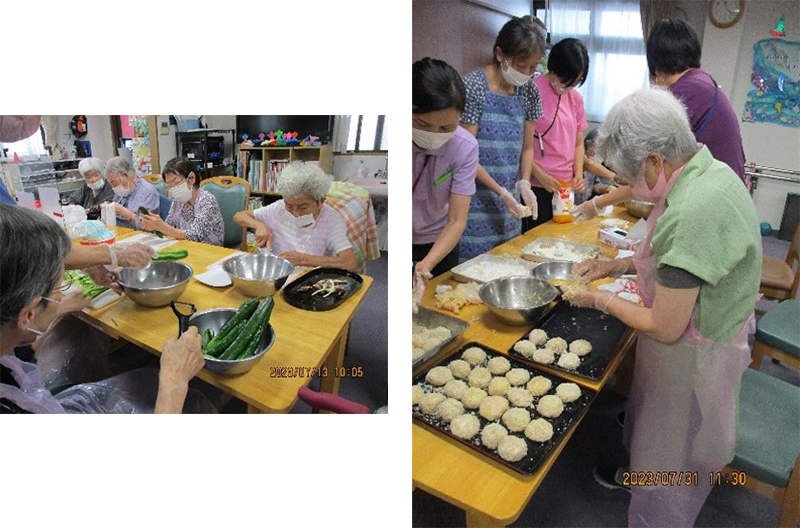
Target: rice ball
[[568, 392], [512, 448], [465, 426], [544, 356], [569, 361], [499, 365], [557, 345], [474, 356], [493, 407], [473, 397], [519, 397], [455, 389], [449, 409], [516, 419], [539, 430], [492, 434], [480, 377], [460, 368], [428, 402], [416, 394], [518, 376], [498, 386], [526, 348], [539, 385], [538, 337], [550, 406], [417, 353], [438, 376], [580, 347]]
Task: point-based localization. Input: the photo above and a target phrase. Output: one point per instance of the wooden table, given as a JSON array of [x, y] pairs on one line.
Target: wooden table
[[304, 341], [492, 494]]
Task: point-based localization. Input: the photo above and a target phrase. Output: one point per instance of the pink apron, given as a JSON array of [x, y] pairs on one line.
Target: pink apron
[[682, 411]]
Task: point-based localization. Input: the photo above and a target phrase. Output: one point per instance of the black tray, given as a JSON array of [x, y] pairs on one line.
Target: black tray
[[603, 331], [537, 452], [318, 303]]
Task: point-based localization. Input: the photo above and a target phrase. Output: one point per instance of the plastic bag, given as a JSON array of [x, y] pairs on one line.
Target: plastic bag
[[91, 231], [563, 200], [73, 214]]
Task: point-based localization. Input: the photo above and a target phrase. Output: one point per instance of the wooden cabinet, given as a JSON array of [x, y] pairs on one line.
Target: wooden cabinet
[[258, 179]]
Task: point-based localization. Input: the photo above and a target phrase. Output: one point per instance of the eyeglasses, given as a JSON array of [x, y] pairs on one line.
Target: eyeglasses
[[66, 286]]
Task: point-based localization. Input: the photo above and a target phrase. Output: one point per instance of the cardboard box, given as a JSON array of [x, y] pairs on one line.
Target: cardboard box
[[617, 238]]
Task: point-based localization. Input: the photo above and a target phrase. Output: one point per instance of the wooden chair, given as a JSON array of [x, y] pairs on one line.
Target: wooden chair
[[768, 442], [778, 334], [232, 195], [778, 281]]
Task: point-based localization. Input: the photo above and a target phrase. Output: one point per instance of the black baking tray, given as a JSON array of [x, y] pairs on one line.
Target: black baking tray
[[603, 331], [318, 303], [537, 452]]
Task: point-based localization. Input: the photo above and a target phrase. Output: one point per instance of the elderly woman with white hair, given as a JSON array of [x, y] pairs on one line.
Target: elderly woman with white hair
[[698, 270], [94, 191], [130, 193], [301, 227]]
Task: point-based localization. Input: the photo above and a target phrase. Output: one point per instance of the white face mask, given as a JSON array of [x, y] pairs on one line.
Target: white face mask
[[430, 140], [121, 191], [305, 221], [181, 193], [96, 186], [513, 77], [50, 326]]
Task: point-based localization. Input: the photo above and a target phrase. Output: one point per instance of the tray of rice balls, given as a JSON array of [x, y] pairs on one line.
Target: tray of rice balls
[[511, 412], [580, 341]]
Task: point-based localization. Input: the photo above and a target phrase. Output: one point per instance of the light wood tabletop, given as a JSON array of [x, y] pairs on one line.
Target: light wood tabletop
[[306, 343], [490, 493]]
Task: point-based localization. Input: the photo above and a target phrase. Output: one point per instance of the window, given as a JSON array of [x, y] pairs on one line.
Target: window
[[31, 147], [612, 33], [368, 133]]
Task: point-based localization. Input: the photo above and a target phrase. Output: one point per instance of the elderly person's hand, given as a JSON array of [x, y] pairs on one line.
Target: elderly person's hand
[[182, 359], [599, 300], [296, 258], [263, 236], [124, 213], [152, 222], [593, 269], [131, 255], [73, 302], [102, 277]]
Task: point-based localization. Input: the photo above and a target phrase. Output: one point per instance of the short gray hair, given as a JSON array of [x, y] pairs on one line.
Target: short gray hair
[[303, 177], [120, 165], [91, 164], [34, 247], [650, 120]]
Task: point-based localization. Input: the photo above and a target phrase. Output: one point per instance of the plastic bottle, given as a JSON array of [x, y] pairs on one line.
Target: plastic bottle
[[563, 199]]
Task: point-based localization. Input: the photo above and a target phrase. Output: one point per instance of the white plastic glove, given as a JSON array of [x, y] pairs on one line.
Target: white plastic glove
[[528, 198], [421, 277], [599, 300], [132, 255], [585, 211], [512, 205], [593, 269]]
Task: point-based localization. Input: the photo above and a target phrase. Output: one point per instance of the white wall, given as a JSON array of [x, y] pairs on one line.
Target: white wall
[[347, 167], [728, 56], [100, 136]]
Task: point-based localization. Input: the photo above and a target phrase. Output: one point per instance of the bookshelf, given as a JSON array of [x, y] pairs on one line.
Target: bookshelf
[[270, 157]]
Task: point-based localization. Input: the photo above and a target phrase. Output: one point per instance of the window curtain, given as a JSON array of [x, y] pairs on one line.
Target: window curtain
[[612, 33], [341, 130], [654, 10], [30, 146]]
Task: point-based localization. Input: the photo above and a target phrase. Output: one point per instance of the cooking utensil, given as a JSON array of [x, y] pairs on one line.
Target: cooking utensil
[[433, 319], [518, 301], [258, 275], [639, 208], [183, 318], [157, 284], [213, 320]]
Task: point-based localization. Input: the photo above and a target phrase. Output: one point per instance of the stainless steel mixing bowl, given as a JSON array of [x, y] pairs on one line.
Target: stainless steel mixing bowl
[[639, 208], [156, 285], [258, 275], [556, 269], [214, 319], [518, 301]]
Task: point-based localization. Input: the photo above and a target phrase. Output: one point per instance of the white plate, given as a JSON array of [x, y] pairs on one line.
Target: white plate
[[216, 278]]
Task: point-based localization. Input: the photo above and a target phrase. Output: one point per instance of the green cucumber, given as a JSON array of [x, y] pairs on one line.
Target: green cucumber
[[171, 255], [252, 346], [207, 336], [244, 338], [242, 315], [217, 345]]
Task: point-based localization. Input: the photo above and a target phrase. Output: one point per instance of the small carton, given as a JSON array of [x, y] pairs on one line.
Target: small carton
[[617, 238]]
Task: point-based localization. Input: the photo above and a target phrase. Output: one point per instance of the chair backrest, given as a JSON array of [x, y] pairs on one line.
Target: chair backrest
[[232, 195], [792, 258], [152, 178], [161, 187], [164, 205], [354, 205]]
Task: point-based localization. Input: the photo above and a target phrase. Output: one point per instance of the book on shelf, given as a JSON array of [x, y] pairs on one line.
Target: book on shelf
[[274, 169]]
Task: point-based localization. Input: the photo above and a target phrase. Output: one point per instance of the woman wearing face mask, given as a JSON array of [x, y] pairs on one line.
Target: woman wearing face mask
[[194, 214], [31, 272], [130, 193], [698, 271], [301, 227], [94, 191], [502, 106], [558, 149], [445, 158]]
